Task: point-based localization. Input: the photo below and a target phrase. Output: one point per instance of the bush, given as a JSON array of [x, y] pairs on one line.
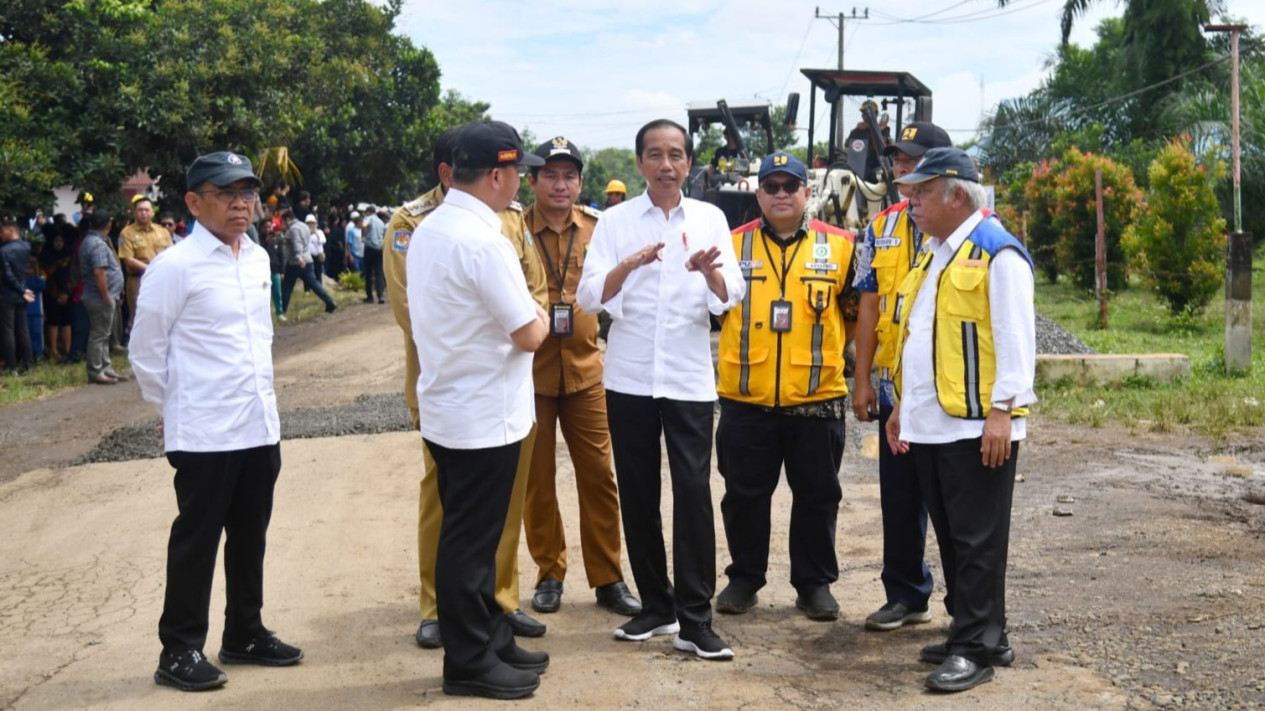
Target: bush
[[351, 281], [1074, 215], [1178, 243]]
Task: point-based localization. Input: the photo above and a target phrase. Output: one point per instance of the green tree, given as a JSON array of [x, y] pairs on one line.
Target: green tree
[[607, 164], [1178, 242], [1073, 215]]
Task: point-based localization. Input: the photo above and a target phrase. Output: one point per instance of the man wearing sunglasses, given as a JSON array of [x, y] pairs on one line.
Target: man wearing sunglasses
[[202, 350], [885, 255], [782, 392]]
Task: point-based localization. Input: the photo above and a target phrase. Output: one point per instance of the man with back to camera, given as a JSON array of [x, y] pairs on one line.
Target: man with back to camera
[[567, 371], [373, 234], [475, 325], [400, 228], [202, 350], [967, 360], [887, 252], [659, 263], [298, 247], [782, 392]]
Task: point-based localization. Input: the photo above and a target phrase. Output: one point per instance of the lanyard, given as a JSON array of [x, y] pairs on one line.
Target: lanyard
[[786, 268], [566, 262]]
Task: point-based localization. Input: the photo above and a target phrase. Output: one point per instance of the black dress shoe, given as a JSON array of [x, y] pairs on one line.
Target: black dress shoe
[[617, 598], [500, 682], [428, 636], [936, 653], [548, 597], [524, 626], [520, 658], [958, 673], [818, 604]]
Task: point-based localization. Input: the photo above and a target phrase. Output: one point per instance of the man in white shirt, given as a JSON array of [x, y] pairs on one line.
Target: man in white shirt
[[202, 350], [659, 263], [476, 326], [967, 349]]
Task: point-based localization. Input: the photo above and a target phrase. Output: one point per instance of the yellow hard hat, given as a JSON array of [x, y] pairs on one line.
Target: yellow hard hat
[[616, 186]]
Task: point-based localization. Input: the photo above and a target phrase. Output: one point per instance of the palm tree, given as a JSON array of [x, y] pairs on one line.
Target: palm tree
[[1073, 9]]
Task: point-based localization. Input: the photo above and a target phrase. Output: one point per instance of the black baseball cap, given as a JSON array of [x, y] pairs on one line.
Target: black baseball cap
[[942, 162], [491, 144], [560, 148], [219, 169], [917, 137]]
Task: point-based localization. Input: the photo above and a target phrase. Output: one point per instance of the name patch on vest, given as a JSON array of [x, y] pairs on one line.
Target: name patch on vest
[[887, 242], [751, 264], [972, 263], [823, 266]]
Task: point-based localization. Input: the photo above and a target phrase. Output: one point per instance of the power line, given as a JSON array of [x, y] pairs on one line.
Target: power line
[[972, 16]]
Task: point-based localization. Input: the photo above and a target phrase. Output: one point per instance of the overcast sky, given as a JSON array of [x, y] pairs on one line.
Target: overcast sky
[[596, 71]]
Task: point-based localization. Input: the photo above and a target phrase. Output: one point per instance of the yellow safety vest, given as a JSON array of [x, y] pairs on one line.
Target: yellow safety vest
[[894, 256], [964, 359], [804, 364]]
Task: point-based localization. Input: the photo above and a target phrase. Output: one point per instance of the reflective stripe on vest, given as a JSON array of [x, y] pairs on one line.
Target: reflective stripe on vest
[[744, 339]]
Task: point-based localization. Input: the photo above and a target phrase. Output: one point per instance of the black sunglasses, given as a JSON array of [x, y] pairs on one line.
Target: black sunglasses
[[773, 187]]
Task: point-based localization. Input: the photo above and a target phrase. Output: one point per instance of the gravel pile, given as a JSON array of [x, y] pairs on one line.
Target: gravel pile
[[1053, 340], [368, 414]]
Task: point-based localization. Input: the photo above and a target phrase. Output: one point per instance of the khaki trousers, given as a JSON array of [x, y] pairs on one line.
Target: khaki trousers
[[431, 514], [583, 418]]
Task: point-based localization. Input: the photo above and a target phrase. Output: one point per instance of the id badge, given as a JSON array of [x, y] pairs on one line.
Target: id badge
[[560, 323], [780, 316]]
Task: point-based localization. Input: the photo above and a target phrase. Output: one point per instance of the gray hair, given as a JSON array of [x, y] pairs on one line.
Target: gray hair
[[974, 192]]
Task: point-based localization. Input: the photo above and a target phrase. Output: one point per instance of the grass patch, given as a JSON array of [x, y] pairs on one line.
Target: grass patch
[[1208, 402], [306, 306], [47, 378]]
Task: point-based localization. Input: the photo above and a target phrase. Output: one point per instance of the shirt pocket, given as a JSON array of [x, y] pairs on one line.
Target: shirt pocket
[[967, 293], [819, 295]]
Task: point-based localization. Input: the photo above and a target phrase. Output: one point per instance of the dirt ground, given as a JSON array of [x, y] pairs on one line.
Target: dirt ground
[[1151, 595]]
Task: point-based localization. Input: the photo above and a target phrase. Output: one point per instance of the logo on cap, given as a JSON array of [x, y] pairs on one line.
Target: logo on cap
[[509, 156], [909, 133], [560, 142], [779, 160], [232, 158]]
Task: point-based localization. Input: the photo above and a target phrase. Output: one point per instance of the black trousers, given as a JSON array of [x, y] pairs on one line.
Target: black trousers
[[969, 505], [474, 489], [906, 577], [374, 276], [293, 273], [751, 447], [15, 340], [229, 492], [636, 423]]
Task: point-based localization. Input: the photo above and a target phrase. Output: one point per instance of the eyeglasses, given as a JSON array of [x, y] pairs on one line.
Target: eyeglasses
[[773, 187], [228, 197]]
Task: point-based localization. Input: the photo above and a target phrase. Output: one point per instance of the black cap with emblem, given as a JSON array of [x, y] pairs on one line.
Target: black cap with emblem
[[219, 169], [561, 148]]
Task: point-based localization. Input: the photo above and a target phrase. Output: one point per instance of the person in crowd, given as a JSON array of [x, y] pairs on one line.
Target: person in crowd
[[303, 206], [139, 243], [335, 244], [297, 244], [102, 279], [886, 253], [475, 324], [355, 243], [15, 340], [374, 233], [206, 361], [167, 220], [58, 291], [782, 392], [966, 308], [616, 192], [567, 371], [403, 223], [35, 284], [316, 244], [276, 265], [659, 264]]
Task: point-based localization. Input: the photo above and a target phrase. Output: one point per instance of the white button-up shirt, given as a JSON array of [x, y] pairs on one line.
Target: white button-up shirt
[[1010, 293], [466, 295], [201, 345], [658, 344]]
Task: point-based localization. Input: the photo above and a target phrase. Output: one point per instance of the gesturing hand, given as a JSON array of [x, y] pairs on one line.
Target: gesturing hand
[[644, 256], [704, 261]]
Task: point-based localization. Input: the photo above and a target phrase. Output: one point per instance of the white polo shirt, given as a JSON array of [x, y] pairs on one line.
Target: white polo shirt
[[466, 295], [202, 345], [1010, 294], [659, 339]]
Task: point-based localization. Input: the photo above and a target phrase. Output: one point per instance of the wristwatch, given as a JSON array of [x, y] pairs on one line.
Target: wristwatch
[[1004, 407]]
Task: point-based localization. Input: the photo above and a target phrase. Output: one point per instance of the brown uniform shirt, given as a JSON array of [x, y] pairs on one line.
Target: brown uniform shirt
[[395, 254], [142, 244], [566, 364]]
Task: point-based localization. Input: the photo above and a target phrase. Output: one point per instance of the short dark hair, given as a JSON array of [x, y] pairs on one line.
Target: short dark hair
[[462, 175], [287, 214], [304, 195], [166, 215], [442, 152], [99, 219], [7, 223], [140, 200], [664, 123]]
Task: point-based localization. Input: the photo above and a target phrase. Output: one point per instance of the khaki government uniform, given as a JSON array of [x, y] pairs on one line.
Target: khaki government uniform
[[568, 377], [430, 514], [136, 242]]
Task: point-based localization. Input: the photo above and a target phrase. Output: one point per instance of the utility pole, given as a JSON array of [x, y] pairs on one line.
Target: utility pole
[[838, 21], [1238, 278]]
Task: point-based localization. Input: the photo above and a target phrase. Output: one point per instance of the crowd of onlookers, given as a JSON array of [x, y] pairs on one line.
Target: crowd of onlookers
[[43, 316]]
